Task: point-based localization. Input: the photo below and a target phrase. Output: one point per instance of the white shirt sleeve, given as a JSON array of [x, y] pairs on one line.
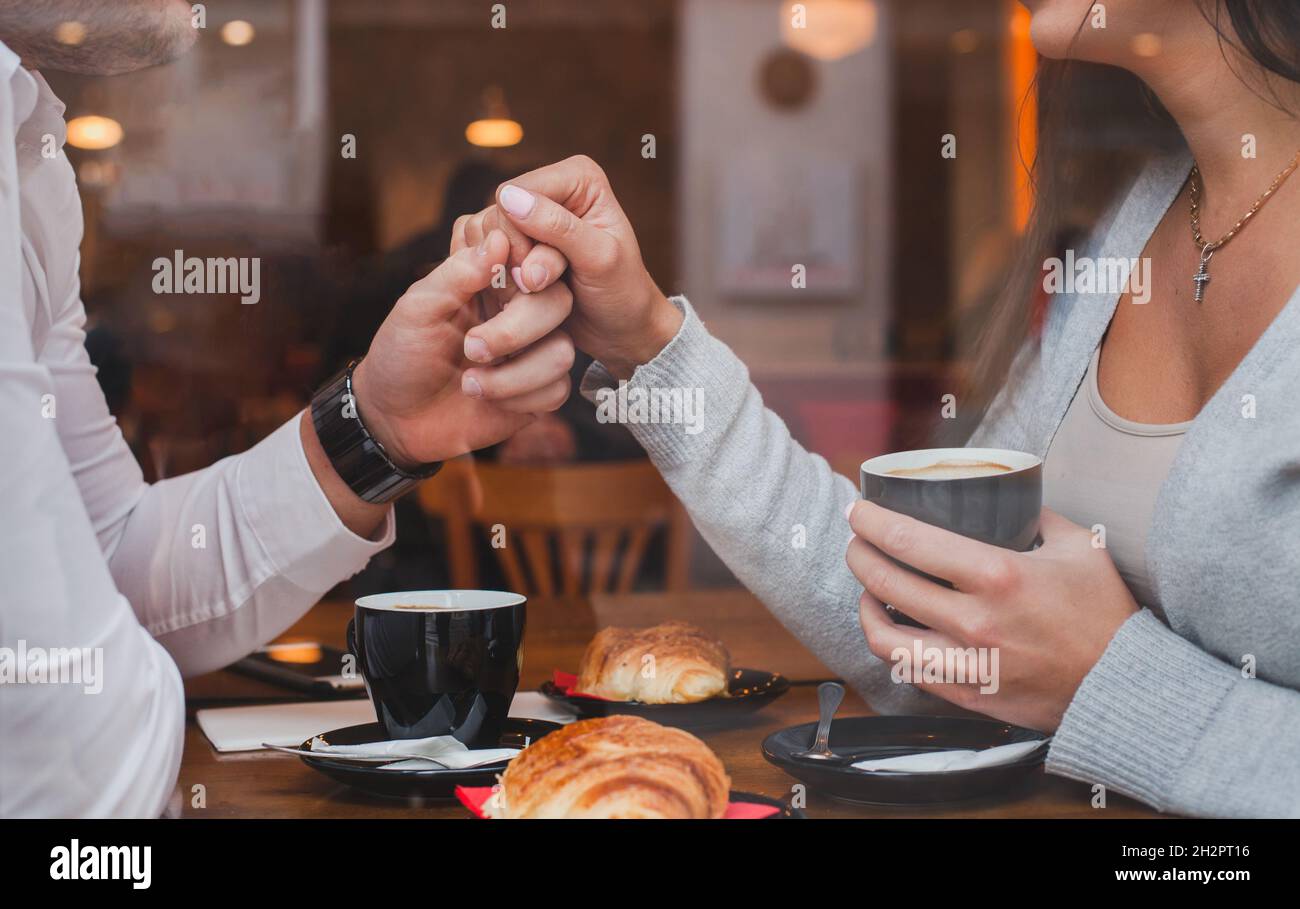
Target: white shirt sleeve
[[107, 583], [108, 743], [217, 562]]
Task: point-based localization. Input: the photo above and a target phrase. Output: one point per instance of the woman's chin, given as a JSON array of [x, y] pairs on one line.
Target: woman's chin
[[1052, 35]]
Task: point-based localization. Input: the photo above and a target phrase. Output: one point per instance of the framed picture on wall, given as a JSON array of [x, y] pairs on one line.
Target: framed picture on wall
[[786, 221]]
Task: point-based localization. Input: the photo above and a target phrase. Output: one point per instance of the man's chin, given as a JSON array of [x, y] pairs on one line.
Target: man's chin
[[119, 39], [91, 64]]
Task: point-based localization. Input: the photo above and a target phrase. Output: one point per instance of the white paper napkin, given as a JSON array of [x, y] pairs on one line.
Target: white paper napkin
[[533, 705], [948, 761], [290, 724], [463, 761]]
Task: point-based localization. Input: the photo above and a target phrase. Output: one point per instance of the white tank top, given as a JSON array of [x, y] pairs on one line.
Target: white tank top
[[1104, 469]]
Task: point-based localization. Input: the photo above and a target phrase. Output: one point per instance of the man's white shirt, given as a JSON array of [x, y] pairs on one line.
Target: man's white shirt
[[190, 573]]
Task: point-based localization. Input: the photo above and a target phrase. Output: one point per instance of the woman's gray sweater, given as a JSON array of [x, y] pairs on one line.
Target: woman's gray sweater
[[1200, 715]]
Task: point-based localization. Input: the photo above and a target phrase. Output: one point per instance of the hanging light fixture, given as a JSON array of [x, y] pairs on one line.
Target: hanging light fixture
[[238, 32], [829, 29], [496, 128], [93, 132]]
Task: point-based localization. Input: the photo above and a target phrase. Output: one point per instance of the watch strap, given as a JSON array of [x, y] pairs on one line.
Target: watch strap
[[356, 455]]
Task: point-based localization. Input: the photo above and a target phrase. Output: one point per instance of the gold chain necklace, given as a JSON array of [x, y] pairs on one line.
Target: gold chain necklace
[[1202, 276]]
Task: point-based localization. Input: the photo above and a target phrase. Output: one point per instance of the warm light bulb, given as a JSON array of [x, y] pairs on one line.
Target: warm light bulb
[[94, 133], [237, 33], [829, 30], [494, 133], [71, 33]]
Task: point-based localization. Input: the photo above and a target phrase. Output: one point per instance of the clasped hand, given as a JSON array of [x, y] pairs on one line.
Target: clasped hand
[[424, 399], [464, 361]]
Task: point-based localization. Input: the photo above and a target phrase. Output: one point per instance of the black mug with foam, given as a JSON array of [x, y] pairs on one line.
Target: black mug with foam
[[440, 662]]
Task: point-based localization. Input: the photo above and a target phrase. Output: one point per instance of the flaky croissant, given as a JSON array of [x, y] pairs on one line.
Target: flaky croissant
[[613, 767], [687, 666]]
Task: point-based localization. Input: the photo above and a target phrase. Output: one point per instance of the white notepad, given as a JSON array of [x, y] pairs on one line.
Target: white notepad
[[246, 728]]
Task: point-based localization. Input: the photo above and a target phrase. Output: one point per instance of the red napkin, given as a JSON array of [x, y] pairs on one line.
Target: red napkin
[[473, 797], [567, 682]]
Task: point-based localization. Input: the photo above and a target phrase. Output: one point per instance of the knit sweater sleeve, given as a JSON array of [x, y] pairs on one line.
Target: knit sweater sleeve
[[772, 511]]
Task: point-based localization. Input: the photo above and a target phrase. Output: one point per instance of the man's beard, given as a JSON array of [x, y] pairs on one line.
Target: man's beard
[[119, 36]]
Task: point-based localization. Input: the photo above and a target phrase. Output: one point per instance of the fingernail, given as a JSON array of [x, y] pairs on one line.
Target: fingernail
[[537, 275], [469, 385], [519, 202], [848, 509], [476, 349], [518, 274]]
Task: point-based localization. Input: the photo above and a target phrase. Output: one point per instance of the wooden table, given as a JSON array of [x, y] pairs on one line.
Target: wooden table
[[269, 784]]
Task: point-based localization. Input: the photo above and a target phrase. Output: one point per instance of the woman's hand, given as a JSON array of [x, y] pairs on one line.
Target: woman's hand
[[1042, 618], [566, 213]]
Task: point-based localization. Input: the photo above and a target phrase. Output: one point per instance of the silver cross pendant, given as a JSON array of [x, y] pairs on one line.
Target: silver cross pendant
[[1202, 276]]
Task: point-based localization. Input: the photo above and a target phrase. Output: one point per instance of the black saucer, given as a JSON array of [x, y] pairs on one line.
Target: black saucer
[[850, 734], [748, 690], [426, 784]]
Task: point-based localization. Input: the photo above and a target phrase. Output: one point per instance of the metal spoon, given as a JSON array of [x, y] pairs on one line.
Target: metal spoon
[[875, 752], [829, 697], [355, 758]]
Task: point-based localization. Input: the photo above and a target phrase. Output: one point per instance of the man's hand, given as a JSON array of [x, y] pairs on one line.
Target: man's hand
[[567, 211], [423, 401], [420, 397]]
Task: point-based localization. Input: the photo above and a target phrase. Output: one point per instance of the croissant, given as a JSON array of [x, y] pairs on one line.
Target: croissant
[[613, 767], [687, 665]]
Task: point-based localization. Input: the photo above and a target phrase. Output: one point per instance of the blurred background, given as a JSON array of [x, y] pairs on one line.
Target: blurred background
[[337, 140]]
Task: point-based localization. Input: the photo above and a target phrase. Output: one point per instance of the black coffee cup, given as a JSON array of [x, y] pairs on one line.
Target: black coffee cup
[[988, 494], [440, 662]]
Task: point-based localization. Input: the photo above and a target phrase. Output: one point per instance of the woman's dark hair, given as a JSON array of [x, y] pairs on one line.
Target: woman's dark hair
[[1080, 167], [1266, 30]]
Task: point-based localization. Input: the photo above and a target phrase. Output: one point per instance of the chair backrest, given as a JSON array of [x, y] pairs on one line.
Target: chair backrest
[[454, 496], [588, 518]]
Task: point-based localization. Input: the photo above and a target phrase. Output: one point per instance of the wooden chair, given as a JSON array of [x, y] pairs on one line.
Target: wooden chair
[[594, 516], [454, 496]]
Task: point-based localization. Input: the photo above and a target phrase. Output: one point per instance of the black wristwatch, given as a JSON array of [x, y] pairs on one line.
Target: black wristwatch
[[356, 455]]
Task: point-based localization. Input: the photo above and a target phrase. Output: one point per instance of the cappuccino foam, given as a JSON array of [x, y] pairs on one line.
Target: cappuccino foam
[[952, 469]]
